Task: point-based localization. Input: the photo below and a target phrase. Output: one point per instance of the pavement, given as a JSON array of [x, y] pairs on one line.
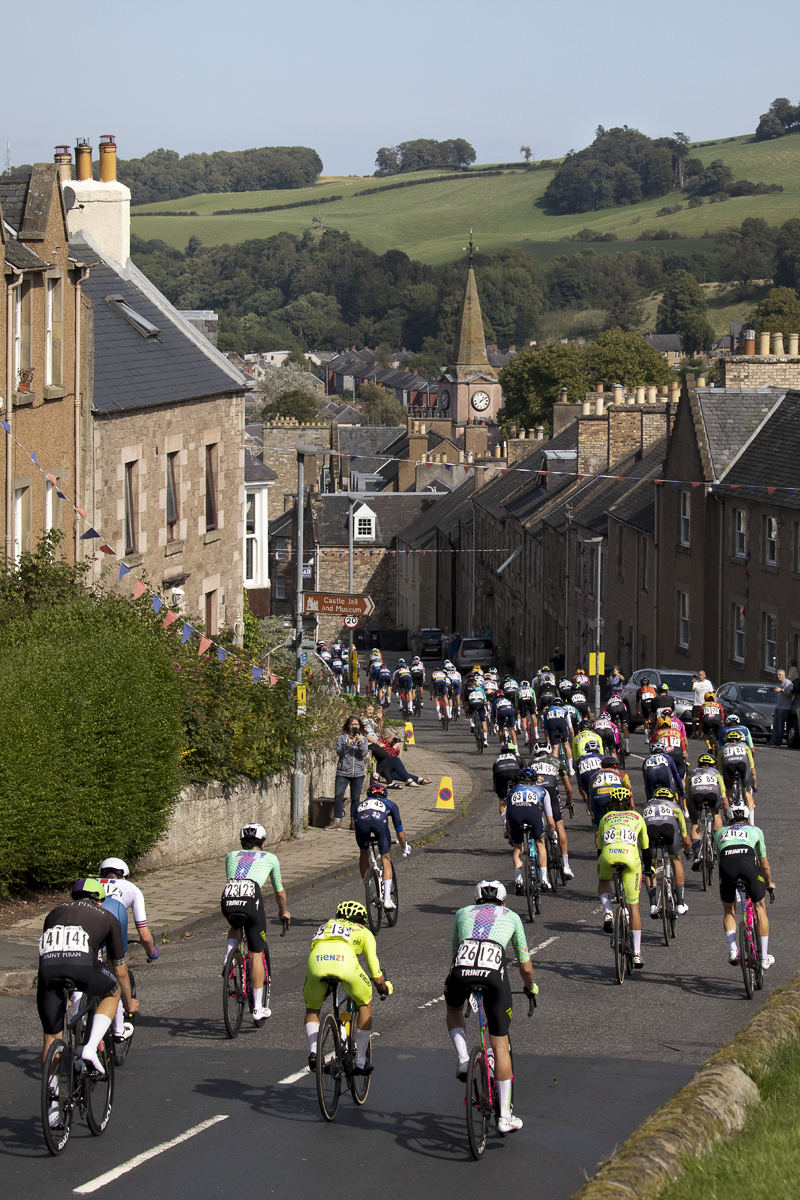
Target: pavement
[[591, 1064]]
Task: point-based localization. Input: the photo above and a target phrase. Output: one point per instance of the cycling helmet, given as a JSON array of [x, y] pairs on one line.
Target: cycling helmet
[[526, 683], [377, 791], [114, 866], [619, 799], [352, 910], [663, 793], [735, 735], [645, 680], [566, 687], [448, 666], [592, 744], [527, 775], [659, 745], [490, 891], [322, 645], [493, 672], [88, 889], [415, 659], [664, 687], [252, 833], [706, 760], [738, 811], [507, 747], [709, 696], [540, 749], [732, 719], [545, 670], [401, 662], [609, 760]]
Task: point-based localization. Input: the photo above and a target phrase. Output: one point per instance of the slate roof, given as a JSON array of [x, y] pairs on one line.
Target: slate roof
[[665, 342], [496, 495], [368, 439], [443, 516], [770, 459], [255, 471], [636, 505], [394, 512], [13, 193], [730, 417], [21, 256], [132, 371]]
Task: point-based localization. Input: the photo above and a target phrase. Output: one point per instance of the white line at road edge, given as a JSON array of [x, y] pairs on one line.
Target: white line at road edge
[[541, 946], [95, 1184], [297, 1075]]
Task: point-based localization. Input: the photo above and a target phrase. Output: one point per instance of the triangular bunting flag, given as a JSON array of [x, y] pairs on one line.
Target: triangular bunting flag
[[273, 679], [695, 485], [139, 590], [222, 654], [123, 571], [169, 618], [6, 426], [204, 644], [770, 490], [735, 485], [61, 496], [107, 549], [35, 459], [52, 478], [157, 604], [188, 630], [83, 512], [90, 533], [257, 673]]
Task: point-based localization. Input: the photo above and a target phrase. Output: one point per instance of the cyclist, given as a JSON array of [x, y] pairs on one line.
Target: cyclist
[[547, 772], [582, 682], [525, 805], [671, 732], [73, 935], [602, 785], [565, 689], [337, 667], [544, 677], [481, 934], [606, 728], [622, 833], [490, 686], [589, 761], [324, 652], [504, 717], [335, 949], [439, 691], [477, 705], [505, 772], [742, 856], [526, 707], [659, 769], [665, 823], [242, 904], [510, 689], [372, 672], [645, 702], [736, 758], [558, 724], [546, 691], [664, 700], [704, 784], [578, 703], [372, 816], [615, 705], [122, 895], [418, 679], [454, 683], [402, 684], [383, 678], [733, 722], [712, 717]]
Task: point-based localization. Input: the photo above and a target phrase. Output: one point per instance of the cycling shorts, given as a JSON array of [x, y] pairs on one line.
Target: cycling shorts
[[476, 710], [418, 678], [661, 833], [656, 777], [738, 864], [505, 718], [647, 703], [518, 815], [493, 983], [243, 908], [714, 722], [93, 977], [676, 754], [741, 767], [611, 857], [332, 958], [616, 706], [581, 703], [403, 686], [502, 779], [546, 700], [455, 688], [607, 735], [695, 803], [439, 687], [367, 825], [556, 807], [527, 708], [558, 730]]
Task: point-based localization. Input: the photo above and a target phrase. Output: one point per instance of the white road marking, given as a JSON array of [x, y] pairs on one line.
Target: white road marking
[[430, 1002], [95, 1184], [297, 1075], [541, 946]]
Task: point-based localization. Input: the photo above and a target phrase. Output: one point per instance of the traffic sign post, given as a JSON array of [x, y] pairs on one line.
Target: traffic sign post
[[337, 605], [351, 622]]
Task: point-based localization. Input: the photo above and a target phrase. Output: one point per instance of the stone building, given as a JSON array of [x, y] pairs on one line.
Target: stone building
[[470, 388], [423, 548], [775, 365]]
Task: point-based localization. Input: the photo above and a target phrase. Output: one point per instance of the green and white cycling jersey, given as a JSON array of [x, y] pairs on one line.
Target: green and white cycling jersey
[[740, 835], [493, 923], [259, 865]]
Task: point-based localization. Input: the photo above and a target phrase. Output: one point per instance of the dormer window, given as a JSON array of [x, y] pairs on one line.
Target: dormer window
[[364, 524]]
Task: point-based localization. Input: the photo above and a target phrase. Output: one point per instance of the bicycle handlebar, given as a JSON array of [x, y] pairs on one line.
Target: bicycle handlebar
[[285, 924], [531, 999]]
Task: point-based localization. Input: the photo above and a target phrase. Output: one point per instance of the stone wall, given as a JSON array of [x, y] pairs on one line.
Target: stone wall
[[755, 370], [280, 454], [374, 576], [208, 816]]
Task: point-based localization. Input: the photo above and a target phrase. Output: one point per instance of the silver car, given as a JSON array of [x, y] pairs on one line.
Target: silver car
[[680, 687]]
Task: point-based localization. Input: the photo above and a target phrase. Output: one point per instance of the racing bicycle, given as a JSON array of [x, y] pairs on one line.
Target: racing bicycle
[[69, 1084], [336, 1055], [530, 872], [747, 939], [373, 884], [555, 861], [477, 731], [666, 894], [482, 1100], [237, 984], [707, 856], [122, 1045], [621, 939]]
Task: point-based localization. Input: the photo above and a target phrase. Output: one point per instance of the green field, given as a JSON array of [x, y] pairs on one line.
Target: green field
[[431, 222]]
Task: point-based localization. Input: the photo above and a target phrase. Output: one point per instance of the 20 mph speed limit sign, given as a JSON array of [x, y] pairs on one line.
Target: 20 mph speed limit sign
[[351, 622]]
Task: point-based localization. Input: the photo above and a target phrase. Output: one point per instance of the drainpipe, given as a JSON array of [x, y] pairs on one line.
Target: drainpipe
[[83, 274], [10, 386], [721, 517], [656, 659]]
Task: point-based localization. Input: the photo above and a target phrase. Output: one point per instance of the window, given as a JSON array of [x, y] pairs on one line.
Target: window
[[770, 641], [364, 527], [23, 523], [683, 617], [686, 522], [146, 328], [771, 541], [173, 514], [250, 548], [51, 520], [645, 563], [211, 487], [131, 497], [739, 532], [282, 551], [53, 332], [280, 587], [210, 612], [364, 524], [738, 634], [22, 330]]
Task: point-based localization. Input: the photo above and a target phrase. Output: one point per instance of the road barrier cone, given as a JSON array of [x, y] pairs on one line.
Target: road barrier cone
[[445, 796], [409, 734]]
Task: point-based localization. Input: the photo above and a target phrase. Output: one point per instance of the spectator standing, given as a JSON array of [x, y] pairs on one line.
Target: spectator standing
[[700, 685], [557, 661], [785, 693], [352, 750], [793, 672]]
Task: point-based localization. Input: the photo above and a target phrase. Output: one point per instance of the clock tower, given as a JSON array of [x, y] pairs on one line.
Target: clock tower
[[470, 387]]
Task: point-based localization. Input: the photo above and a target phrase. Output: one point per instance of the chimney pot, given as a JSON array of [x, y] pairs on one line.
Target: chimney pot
[[763, 342], [461, 456], [640, 395], [777, 344], [540, 433], [522, 435], [651, 394], [564, 396], [793, 343], [470, 456], [701, 381], [587, 408], [83, 159], [598, 406], [599, 388], [497, 452], [619, 392]]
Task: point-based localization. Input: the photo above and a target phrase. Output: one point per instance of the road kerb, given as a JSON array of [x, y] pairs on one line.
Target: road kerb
[[711, 1108]]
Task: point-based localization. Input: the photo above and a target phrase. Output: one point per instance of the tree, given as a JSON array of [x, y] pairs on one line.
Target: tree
[[787, 255], [617, 356], [386, 160], [696, 334], [622, 166], [193, 246], [682, 298], [379, 406], [716, 177], [277, 380], [533, 380], [526, 152], [295, 403], [778, 312]]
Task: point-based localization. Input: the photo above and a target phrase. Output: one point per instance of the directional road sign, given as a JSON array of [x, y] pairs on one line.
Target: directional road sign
[[351, 622], [340, 606]]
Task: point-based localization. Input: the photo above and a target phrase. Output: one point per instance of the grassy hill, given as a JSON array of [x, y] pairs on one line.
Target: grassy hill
[[431, 222]]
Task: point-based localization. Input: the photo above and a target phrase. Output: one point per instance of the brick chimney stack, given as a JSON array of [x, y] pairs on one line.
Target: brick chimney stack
[[99, 207]]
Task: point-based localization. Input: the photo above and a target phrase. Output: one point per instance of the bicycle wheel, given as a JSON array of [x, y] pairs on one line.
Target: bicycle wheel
[[755, 954], [445, 719], [748, 973], [233, 996], [122, 1049], [527, 875], [705, 867], [329, 1067], [99, 1093], [372, 886], [620, 941], [359, 1084], [536, 879], [393, 913], [665, 903], [479, 1103], [55, 1090], [479, 738], [552, 862]]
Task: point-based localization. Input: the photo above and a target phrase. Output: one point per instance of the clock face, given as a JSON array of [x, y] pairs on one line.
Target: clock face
[[480, 401], [444, 400]]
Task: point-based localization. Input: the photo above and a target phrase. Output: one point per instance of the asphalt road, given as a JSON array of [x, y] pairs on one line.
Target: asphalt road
[[595, 1059]]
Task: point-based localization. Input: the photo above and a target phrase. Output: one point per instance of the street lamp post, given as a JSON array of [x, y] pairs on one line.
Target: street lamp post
[[597, 541], [298, 778]]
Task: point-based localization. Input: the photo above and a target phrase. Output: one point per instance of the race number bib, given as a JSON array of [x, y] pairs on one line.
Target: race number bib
[[731, 753], [704, 781], [657, 812], [606, 779], [619, 835], [544, 769], [525, 797], [239, 889], [63, 938], [590, 764], [657, 760], [336, 930], [376, 806], [486, 955]]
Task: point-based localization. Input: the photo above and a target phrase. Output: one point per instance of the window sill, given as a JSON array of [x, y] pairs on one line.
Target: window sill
[[133, 558], [213, 535], [771, 568], [173, 548], [738, 559], [54, 393], [23, 399], [682, 650], [682, 548]]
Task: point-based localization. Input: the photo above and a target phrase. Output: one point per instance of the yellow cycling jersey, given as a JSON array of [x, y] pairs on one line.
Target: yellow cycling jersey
[[359, 939], [625, 828], [580, 740]]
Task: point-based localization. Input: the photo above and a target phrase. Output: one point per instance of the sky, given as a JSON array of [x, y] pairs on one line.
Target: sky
[[349, 76]]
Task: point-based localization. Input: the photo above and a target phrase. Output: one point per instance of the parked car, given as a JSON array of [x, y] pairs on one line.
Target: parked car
[[753, 704], [680, 687], [431, 643], [474, 650]]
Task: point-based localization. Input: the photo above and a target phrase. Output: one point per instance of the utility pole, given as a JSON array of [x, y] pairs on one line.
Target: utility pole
[[598, 542], [353, 675], [568, 513], [298, 778]]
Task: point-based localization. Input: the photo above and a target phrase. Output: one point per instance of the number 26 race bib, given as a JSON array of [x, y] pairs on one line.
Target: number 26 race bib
[[485, 955]]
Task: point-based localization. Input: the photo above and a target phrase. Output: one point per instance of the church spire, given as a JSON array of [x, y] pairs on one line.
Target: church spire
[[470, 348]]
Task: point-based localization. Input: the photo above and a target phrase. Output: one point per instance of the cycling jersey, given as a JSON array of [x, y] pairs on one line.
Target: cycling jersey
[[546, 677], [736, 758], [703, 785], [582, 681], [726, 729], [713, 714], [525, 805], [418, 672], [401, 680], [454, 679], [372, 815], [548, 772], [585, 767], [72, 937], [510, 689], [504, 712], [493, 922], [129, 896], [740, 835], [384, 676], [620, 835], [665, 825], [438, 682], [600, 786], [580, 740], [254, 864], [476, 700], [505, 770], [480, 936], [335, 948], [660, 770]]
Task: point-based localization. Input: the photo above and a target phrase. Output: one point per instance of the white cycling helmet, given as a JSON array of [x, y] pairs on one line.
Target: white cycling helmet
[[252, 833], [659, 745], [738, 811], [490, 891], [116, 865], [539, 749]]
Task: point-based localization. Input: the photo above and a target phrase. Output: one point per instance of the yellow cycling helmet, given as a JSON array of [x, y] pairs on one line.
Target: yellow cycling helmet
[[734, 736], [709, 696], [619, 799], [351, 910], [663, 793]]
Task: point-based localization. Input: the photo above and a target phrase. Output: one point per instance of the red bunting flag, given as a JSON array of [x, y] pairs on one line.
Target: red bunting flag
[[82, 511], [139, 590], [107, 549], [204, 644], [695, 485], [52, 478], [168, 619], [770, 490]]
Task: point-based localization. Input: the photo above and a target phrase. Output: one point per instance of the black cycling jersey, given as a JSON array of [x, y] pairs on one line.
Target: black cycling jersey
[[102, 929]]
